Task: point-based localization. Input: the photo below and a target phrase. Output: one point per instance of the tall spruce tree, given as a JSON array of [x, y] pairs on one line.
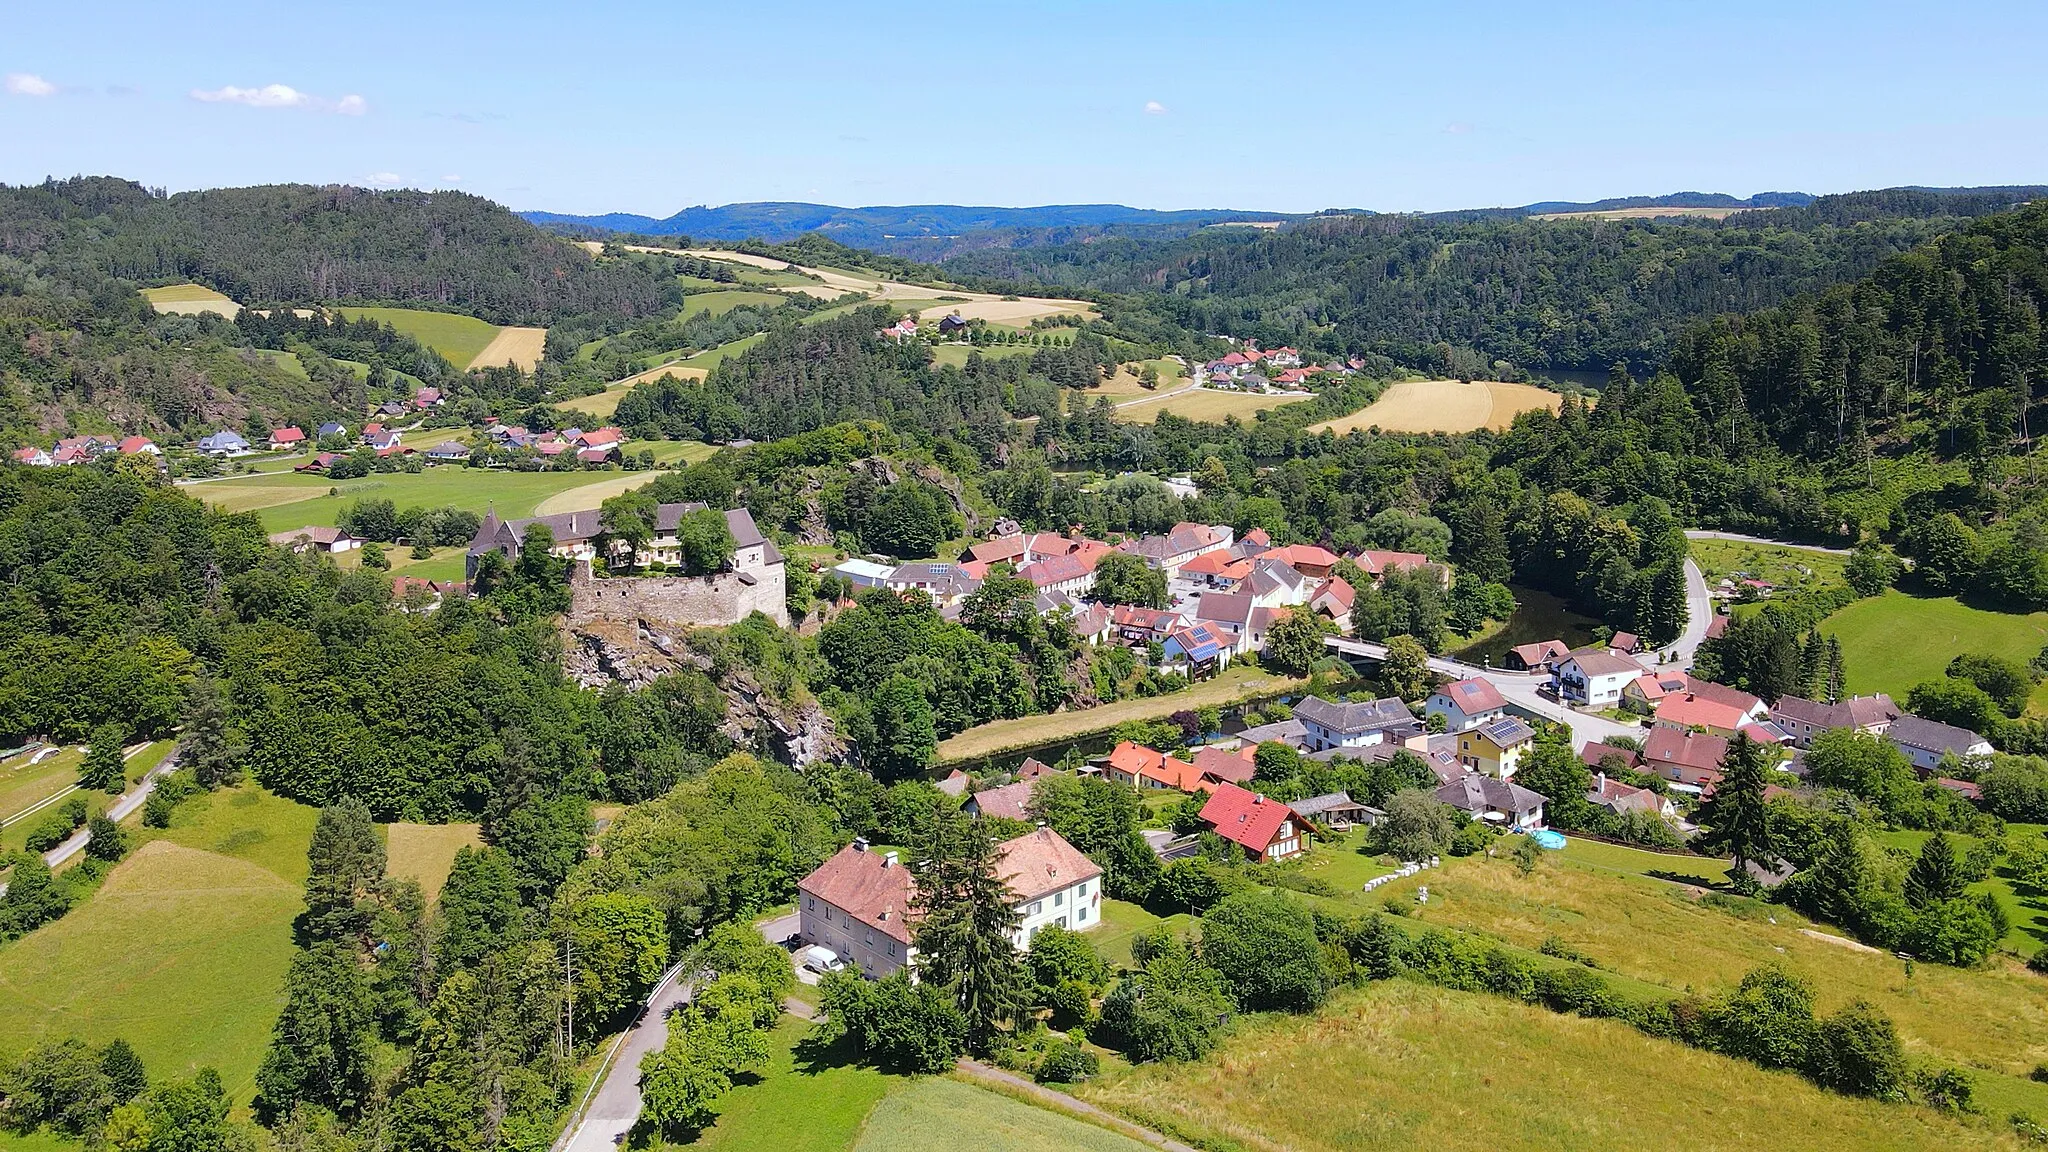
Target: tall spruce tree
[[1838, 672], [345, 874], [209, 749], [1936, 874], [965, 936], [1737, 819]]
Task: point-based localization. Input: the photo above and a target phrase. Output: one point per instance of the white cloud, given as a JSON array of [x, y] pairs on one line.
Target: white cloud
[[383, 179], [452, 178], [29, 84], [1457, 128], [281, 96], [1154, 108]]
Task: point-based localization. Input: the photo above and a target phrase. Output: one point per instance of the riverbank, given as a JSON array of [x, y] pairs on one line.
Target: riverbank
[[1235, 685]]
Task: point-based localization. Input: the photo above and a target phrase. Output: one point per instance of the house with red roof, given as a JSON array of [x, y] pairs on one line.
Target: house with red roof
[[601, 437], [1538, 657], [1264, 828], [1332, 600], [1691, 760], [33, 457], [318, 463], [138, 446], [1220, 766], [1715, 708], [1284, 357], [289, 436], [1070, 572], [426, 397], [1135, 625], [1142, 768], [1306, 559], [1466, 704], [1376, 563]]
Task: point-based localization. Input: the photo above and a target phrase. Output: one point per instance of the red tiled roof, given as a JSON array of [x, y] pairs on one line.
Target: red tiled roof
[[1008, 801], [1697, 750], [1473, 695], [1339, 591], [1147, 764], [601, 437], [866, 887], [290, 434], [1593, 753], [1040, 863], [1377, 562], [1300, 555], [1227, 767], [1245, 818], [1694, 709]]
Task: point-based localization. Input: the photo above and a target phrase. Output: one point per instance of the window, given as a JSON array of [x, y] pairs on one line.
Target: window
[[811, 903], [892, 947], [1063, 921], [1081, 917], [1081, 889], [1059, 899], [1034, 909]]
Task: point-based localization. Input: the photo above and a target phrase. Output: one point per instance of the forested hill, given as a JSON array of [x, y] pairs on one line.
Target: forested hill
[[295, 244], [1454, 294]]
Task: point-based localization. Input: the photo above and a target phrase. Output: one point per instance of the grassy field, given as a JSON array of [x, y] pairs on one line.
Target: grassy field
[[941, 1115], [425, 852], [1642, 214], [804, 1101], [1894, 641], [1122, 920], [1234, 685], [1446, 406], [459, 338], [1994, 1018], [957, 354], [1802, 569], [1203, 404], [712, 357], [181, 952], [191, 299], [1404, 1066], [290, 500], [23, 784], [594, 493], [2027, 909], [723, 301]]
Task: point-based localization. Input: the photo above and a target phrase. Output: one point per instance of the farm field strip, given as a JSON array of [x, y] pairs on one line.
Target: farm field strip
[[1233, 686], [512, 346], [191, 300], [1203, 404], [1446, 406], [460, 339], [593, 494]]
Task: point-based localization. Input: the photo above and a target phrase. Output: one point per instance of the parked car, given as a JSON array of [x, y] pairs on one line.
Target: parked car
[[822, 960]]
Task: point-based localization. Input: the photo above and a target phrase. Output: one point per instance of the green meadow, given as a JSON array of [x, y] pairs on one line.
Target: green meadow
[[1894, 641], [458, 338], [725, 300], [290, 501]]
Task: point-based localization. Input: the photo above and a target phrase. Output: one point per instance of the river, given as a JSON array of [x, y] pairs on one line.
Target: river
[[1538, 616]]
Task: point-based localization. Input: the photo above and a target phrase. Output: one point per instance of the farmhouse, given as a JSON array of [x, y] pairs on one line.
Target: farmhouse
[[1221, 766], [223, 443], [1140, 626], [315, 538], [1142, 768], [1466, 704], [1534, 657], [448, 452], [33, 457], [1306, 559], [1803, 719], [289, 436], [1925, 742], [859, 903], [1266, 829], [1332, 600], [1354, 725], [1376, 563], [1689, 759]]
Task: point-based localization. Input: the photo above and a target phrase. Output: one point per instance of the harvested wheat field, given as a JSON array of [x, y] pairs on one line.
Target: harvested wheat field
[[1017, 313], [191, 300], [1446, 406], [520, 346], [591, 495]]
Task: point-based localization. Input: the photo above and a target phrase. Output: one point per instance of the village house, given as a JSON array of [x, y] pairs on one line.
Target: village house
[[1276, 584], [1601, 756], [755, 557], [1236, 616], [330, 428], [223, 443], [315, 538], [1359, 724], [1495, 748], [863, 573], [1011, 801], [426, 397], [287, 437], [1621, 799], [1718, 709], [1335, 810], [1223, 766], [319, 463], [1138, 767], [1197, 652], [1142, 626], [1804, 719], [858, 903], [1332, 600], [955, 783], [1593, 677], [448, 452], [1690, 760], [1376, 563], [33, 457], [1466, 704], [1073, 574], [1926, 742], [1183, 543], [1494, 801], [947, 584], [1538, 657], [1646, 692], [1307, 559], [1264, 828]]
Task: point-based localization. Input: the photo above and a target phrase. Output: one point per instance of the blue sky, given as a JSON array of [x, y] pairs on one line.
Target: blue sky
[[650, 107]]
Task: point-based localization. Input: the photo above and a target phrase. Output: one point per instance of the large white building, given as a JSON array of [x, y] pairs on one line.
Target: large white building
[[858, 902]]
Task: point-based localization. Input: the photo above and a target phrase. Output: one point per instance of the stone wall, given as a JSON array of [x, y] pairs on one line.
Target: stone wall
[[699, 601]]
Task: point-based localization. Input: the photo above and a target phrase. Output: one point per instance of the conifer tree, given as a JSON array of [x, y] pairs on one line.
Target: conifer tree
[[1936, 874], [964, 939], [1838, 673], [1737, 820]]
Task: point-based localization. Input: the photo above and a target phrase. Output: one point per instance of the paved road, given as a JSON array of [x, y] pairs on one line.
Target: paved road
[[614, 1100], [119, 810], [1522, 689], [1706, 534], [1699, 612]]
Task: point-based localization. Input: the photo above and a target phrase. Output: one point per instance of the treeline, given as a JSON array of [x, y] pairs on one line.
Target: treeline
[[297, 244], [1580, 294]]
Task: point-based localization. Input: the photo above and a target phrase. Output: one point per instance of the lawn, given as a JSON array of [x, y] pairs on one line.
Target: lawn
[[2025, 908], [957, 354], [594, 493], [939, 1115], [1705, 870], [1405, 1066], [712, 357], [804, 1101], [425, 852], [291, 501], [1233, 686], [1122, 921], [1994, 1018], [23, 785], [721, 302], [459, 338], [1894, 641], [1204, 405], [181, 952], [248, 823], [1802, 569]]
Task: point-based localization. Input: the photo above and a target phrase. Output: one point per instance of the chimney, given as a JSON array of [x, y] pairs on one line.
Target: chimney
[[1600, 783], [888, 859], [860, 843], [1259, 798]]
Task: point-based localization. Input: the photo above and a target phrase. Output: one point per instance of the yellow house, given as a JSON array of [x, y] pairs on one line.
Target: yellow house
[[1496, 748]]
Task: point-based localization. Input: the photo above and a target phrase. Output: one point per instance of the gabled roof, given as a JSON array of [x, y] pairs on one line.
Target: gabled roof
[[1354, 717], [289, 434], [1378, 562], [1040, 863], [1542, 652], [1338, 592], [1198, 643], [1931, 735], [866, 886], [1147, 764], [1226, 608], [1008, 549], [1151, 619], [602, 437], [317, 533], [1597, 661], [1245, 818], [1315, 806], [1698, 750], [1208, 563], [1474, 696], [1508, 731], [1226, 767], [1010, 800], [1619, 797], [1689, 709], [1594, 753], [1302, 555], [1477, 793]]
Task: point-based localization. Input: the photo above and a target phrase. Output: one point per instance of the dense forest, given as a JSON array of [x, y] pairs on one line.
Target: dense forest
[[1456, 293], [296, 244]]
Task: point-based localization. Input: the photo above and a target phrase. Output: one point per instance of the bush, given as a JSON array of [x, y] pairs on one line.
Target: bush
[[1857, 1051], [1067, 1062], [1767, 1020], [108, 841], [1577, 991], [1265, 948], [1552, 946], [1947, 1088], [1171, 1010]]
